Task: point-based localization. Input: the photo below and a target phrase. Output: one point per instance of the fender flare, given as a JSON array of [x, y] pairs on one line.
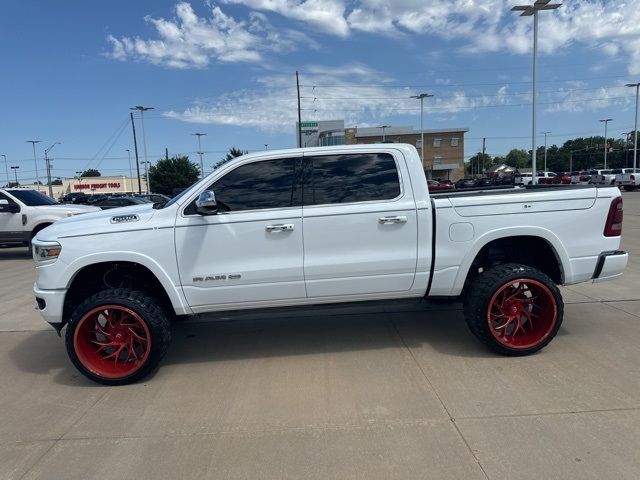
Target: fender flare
[[547, 235], [174, 293]]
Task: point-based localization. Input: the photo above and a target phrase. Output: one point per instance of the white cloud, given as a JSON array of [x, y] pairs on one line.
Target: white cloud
[[189, 41], [324, 15], [483, 25], [359, 95]]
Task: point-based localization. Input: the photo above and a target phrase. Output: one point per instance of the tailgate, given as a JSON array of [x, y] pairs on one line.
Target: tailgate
[[553, 200]]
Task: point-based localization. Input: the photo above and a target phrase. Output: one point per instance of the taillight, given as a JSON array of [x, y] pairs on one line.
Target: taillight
[[613, 227], [632, 177]]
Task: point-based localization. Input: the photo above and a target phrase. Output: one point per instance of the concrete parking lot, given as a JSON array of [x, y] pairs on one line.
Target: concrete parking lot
[[368, 393]]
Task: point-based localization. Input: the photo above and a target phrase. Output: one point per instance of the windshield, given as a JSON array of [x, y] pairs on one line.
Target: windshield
[[31, 198]]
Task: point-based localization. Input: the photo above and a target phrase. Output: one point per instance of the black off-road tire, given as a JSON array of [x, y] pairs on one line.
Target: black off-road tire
[[149, 310], [477, 300]]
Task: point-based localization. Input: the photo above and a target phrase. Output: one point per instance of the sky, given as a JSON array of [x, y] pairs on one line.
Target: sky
[[71, 69]]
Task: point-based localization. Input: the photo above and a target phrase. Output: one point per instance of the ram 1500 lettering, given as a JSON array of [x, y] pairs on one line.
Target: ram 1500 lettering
[[318, 226]]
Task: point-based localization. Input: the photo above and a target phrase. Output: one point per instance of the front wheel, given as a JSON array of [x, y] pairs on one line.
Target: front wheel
[[629, 188], [514, 309], [118, 336]]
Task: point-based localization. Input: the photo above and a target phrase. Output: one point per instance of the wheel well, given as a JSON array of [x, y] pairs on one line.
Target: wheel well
[[101, 276], [37, 228], [533, 251]]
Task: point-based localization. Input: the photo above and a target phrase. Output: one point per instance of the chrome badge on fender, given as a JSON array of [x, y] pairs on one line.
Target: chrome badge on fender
[[125, 218]]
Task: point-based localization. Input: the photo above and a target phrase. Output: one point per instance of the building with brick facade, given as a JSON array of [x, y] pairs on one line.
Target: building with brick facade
[[443, 152]]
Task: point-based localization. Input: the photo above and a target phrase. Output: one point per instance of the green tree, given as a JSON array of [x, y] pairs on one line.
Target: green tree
[[57, 181], [90, 172], [518, 158], [479, 160], [231, 154], [175, 173]]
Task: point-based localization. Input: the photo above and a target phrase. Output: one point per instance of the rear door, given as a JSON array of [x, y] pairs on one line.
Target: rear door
[[360, 226]]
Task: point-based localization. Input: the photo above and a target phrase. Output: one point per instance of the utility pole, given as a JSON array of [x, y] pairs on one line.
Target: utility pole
[[527, 11], [606, 122], [200, 153], [48, 165], [166, 153], [135, 147], [15, 171], [143, 109], [545, 149], [570, 161], [483, 150], [299, 112], [35, 160], [421, 96], [6, 169]]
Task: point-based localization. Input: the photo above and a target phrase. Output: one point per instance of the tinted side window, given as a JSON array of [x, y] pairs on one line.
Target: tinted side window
[[257, 185], [351, 178]]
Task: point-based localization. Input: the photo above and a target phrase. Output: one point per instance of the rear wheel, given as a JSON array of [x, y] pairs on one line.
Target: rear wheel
[[629, 188], [118, 336], [514, 309]]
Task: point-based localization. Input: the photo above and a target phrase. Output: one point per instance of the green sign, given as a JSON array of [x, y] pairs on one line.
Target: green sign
[[309, 125]]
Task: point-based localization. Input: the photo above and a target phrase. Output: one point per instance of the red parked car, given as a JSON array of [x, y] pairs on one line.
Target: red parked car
[[435, 186], [561, 178]]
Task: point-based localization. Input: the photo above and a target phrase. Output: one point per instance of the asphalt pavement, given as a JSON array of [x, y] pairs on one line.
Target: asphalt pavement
[[388, 393]]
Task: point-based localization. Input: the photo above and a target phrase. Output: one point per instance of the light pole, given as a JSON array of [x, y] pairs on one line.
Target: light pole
[[422, 96], [266, 146], [6, 169], [143, 109], [606, 122], [527, 11], [545, 149], [635, 126], [48, 166], [130, 169], [15, 171], [146, 172], [383, 127], [199, 135], [35, 160]]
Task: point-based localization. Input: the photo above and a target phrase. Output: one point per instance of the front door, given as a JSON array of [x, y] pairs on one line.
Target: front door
[[360, 225], [250, 252], [11, 229]]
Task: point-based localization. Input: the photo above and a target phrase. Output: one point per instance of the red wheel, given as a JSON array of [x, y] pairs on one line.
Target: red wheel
[[112, 341], [118, 336], [514, 309], [522, 313]]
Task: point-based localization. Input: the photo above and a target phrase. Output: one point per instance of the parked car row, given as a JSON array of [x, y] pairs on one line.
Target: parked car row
[[114, 200]]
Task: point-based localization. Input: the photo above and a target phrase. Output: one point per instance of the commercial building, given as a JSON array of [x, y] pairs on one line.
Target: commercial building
[[443, 150], [93, 186]]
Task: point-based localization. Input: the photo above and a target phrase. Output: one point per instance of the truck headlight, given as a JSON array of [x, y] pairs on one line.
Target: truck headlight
[[46, 253]]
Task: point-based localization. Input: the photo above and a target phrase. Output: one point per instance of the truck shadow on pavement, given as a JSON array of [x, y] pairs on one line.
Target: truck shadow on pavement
[[427, 332]]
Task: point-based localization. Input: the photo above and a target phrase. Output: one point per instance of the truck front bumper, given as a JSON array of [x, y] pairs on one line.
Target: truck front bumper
[[610, 265], [50, 304]]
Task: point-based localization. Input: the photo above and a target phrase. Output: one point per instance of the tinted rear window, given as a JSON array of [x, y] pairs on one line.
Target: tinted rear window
[[352, 178]]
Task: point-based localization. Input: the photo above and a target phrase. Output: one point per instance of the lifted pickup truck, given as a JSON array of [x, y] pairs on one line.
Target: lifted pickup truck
[[24, 212], [319, 226]]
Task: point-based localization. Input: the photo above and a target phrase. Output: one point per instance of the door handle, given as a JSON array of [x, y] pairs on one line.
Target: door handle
[[282, 227], [390, 220]]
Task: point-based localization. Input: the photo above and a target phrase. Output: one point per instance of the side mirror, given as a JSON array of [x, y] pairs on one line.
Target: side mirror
[[206, 203], [6, 207]]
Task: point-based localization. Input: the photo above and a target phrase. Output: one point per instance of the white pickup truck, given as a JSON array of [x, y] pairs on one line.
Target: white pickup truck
[[24, 212], [630, 179], [320, 226]]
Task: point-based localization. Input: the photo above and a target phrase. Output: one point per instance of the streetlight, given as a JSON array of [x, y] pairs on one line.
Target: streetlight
[[143, 109], [422, 96], [130, 169], [146, 172], [635, 128], [6, 169], [200, 153], [15, 171], [48, 166], [606, 122], [266, 146], [383, 127], [545, 149], [35, 160], [527, 11]]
